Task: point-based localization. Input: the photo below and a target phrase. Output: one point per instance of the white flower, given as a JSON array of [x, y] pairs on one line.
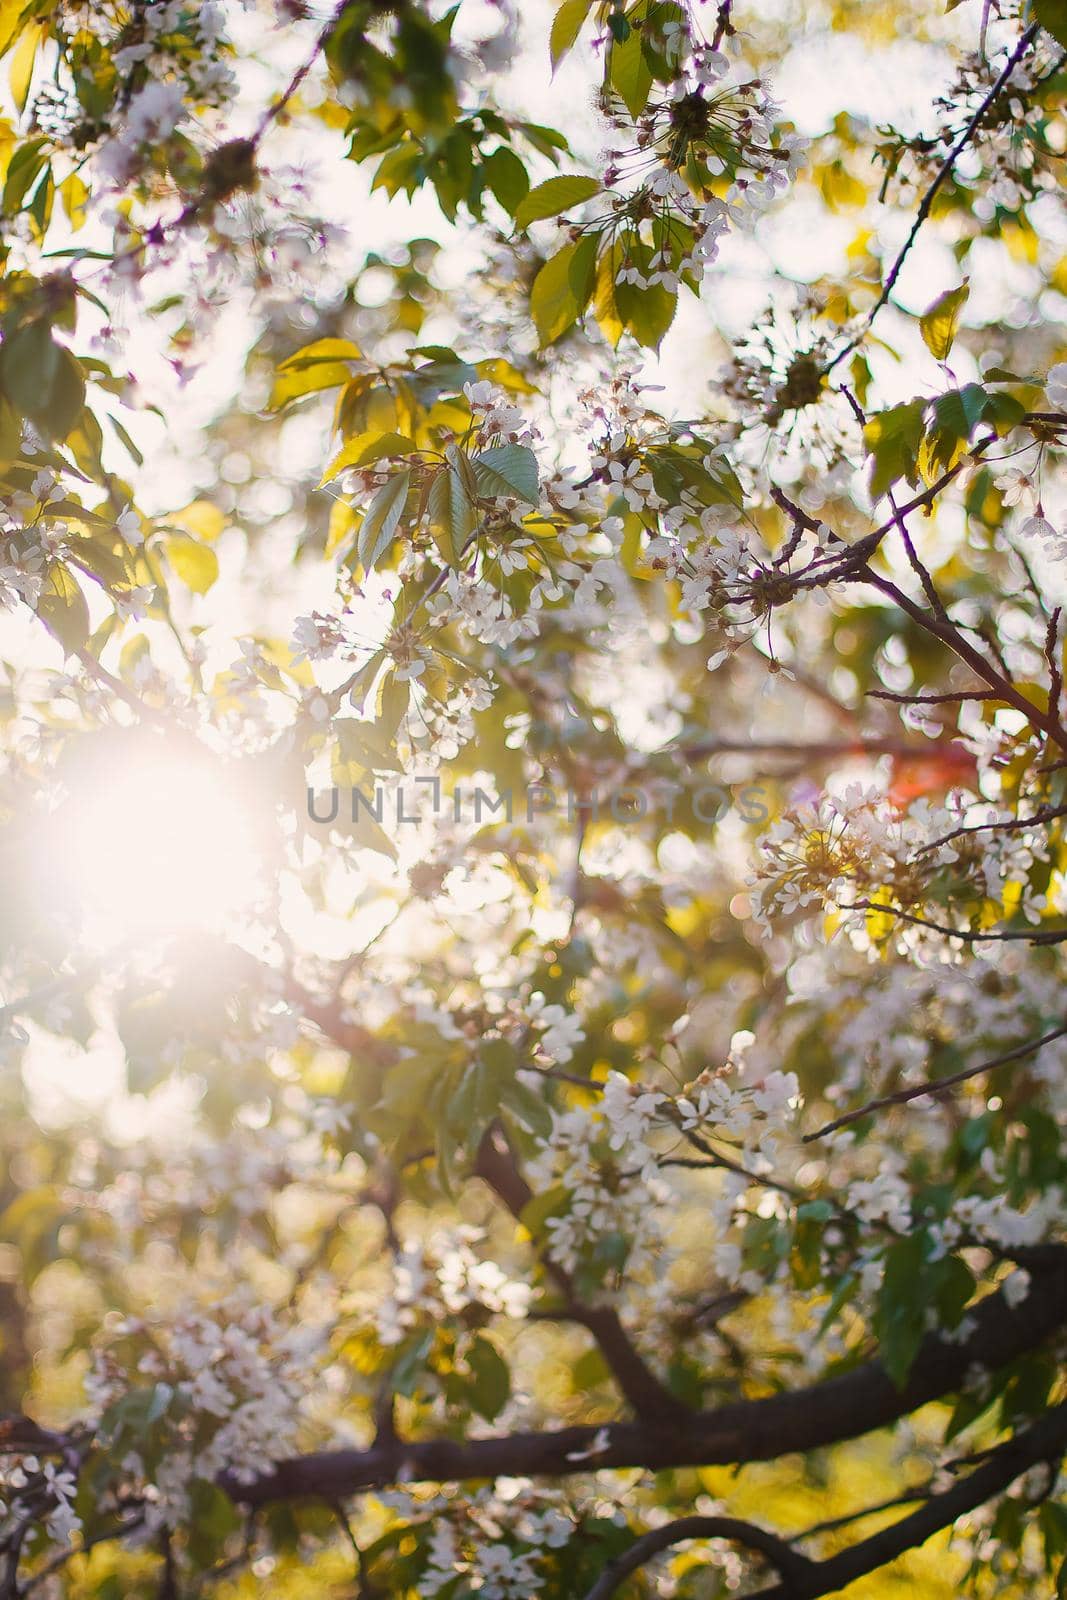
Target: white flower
[[1039, 528], [1016, 1287], [561, 1029], [1056, 386], [129, 525], [133, 605]]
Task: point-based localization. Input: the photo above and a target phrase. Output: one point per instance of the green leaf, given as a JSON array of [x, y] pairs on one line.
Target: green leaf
[[528, 1107], [892, 438], [629, 73], [563, 288], [451, 513], [196, 564], [648, 313], [382, 519], [10, 432], [555, 195], [567, 24], [507, 469], [955, 416], [62, 608], [1052, 15], [900, 1321], [128, 444], [66, 398], [492, 1378], [213, 1517], [939, 323], [548, 1203], [366, 448], [25, 167], [29, 361], [507, 178]]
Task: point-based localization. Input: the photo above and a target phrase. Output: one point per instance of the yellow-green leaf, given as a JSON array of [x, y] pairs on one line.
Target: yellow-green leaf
[[22, 61], [893, 437], [939, 323], [200, 518], [364, 448], [629, 73], [194, 563], [382, 519], [555, 195], [451, 514], [62, 608], [563, 288], [605, 307], [567, 24], [1052, 15]]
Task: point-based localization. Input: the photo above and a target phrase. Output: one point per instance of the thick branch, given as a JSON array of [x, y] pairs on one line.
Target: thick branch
[[1045, 1441], [840, 1408]]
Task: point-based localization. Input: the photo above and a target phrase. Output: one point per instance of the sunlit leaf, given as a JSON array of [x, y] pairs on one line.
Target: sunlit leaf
[[62, 608], [563, 288], [382, 519], [555, 195], [566, 26], [194, 562], [507, 469], [938, 325]]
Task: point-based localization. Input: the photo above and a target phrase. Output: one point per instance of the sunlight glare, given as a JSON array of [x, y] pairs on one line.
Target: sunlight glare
[[167, 850]]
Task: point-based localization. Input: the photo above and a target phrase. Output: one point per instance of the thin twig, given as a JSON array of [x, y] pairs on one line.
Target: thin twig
[[968, 935], [944, 172], [937, 1085]]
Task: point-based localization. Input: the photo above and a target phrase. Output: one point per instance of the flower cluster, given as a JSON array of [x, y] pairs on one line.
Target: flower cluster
[[198, 1393], [705, 127], [441, 1279], [496, 1541], [171, 59], [35, 1489]]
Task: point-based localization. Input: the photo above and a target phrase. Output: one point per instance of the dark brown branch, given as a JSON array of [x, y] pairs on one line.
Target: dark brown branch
[[967, 935], [854, 564], [843, 1407], [1052, 658], [949, 698], [792, 1566], [999, 825], [497, 1167], [950, 636], [723, 25], [901, 1097], [1046, 1440]]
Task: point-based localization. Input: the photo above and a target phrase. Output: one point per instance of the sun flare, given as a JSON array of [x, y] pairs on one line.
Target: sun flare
[[163, 847]]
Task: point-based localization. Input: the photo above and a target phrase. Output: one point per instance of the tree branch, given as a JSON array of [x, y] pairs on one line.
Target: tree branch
[[967, 935], [843, 1407], [792, 1566], [943, 173], [937, 1085], [1046, 1440], [496, 1166]]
